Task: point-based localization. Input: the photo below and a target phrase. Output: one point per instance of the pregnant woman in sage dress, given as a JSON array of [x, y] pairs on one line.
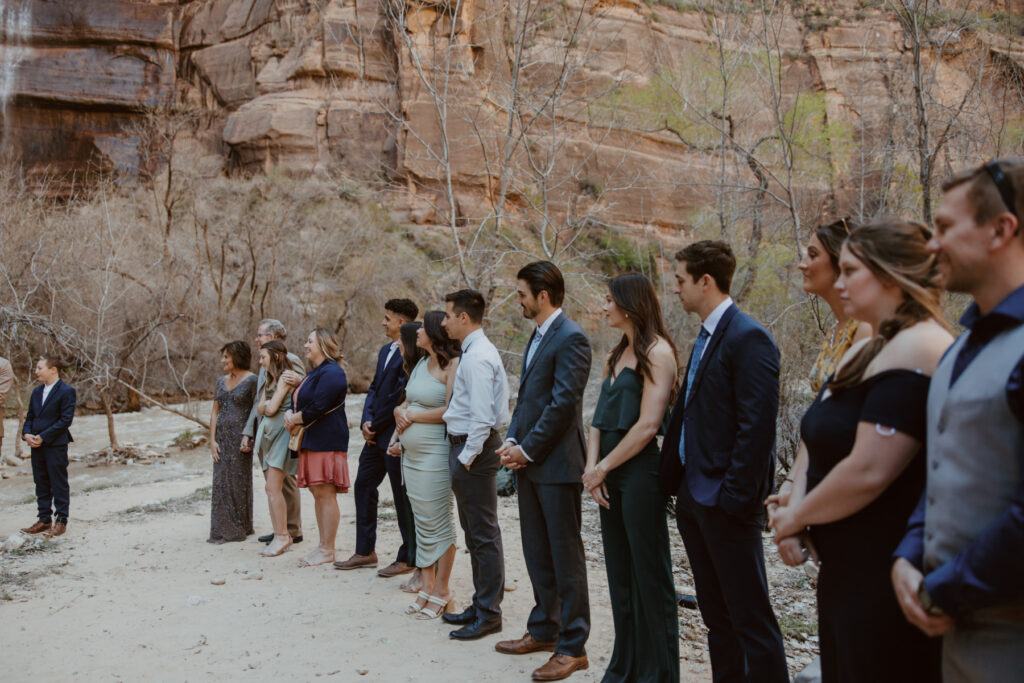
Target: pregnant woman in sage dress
[[231, 497], [425, 460]]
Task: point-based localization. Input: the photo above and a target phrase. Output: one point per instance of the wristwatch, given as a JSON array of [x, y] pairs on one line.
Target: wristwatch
[[927, 603]]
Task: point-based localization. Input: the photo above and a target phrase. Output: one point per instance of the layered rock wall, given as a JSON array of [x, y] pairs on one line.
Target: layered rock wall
[[447, 99]]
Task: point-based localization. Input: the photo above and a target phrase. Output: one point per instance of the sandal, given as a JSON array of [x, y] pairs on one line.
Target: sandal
[[413, 608], [264, 553], [443, 607]]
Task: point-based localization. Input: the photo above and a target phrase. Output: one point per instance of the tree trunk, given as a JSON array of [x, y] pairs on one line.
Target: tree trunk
[[114, 445]]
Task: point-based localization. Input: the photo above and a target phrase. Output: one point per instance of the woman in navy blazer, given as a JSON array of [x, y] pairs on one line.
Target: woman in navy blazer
[[319, 405], [50, 412]]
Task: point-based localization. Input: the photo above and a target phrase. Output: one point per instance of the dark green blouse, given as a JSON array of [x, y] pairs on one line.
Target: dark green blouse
[[618, 409]]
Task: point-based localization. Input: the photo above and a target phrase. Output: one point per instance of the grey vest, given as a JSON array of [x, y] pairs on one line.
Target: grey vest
[[974, 442]]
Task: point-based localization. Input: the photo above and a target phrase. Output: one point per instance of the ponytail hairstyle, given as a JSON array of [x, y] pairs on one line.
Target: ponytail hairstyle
[[896, 252], [278, 353], [634, 294]]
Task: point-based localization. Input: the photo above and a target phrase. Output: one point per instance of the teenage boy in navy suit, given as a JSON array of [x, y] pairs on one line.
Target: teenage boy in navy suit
[[385, 393], [50, 412]]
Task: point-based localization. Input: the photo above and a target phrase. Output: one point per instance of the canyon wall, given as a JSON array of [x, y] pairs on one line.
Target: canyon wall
[[354, 87]]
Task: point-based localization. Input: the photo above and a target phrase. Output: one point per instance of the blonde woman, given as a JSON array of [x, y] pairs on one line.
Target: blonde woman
[[319, 406]]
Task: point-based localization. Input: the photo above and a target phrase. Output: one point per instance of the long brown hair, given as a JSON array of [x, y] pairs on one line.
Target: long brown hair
[[634, 294], [896, 252], [278, 353], [445, 348]]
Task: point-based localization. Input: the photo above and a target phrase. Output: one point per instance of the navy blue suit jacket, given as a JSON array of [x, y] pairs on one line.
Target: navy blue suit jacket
[[52, 419], [384, 395], [730, 421], [323, 389]]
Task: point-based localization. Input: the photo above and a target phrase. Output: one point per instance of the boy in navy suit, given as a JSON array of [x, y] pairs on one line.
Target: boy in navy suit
[[385, 393], [50, 412]]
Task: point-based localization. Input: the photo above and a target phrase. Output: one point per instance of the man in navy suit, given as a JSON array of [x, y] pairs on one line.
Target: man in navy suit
[[378, 424], [718, 459], [50, 412]]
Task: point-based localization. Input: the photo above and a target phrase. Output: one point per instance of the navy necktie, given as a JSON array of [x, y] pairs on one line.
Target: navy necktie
[[695, 356]]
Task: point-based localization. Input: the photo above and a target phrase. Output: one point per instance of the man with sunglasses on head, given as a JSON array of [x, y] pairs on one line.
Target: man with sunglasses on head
[[959, 572]]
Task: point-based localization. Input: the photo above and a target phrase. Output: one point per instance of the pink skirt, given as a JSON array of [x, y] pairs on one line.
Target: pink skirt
[[323, 467]]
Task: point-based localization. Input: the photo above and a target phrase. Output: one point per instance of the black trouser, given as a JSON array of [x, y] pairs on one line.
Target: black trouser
[[50, 472], [640, 583], [477, 496], [727, 558], [550, 518], [374, 465]]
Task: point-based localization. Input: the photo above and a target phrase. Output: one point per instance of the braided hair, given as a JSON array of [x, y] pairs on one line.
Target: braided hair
[[896, 252]]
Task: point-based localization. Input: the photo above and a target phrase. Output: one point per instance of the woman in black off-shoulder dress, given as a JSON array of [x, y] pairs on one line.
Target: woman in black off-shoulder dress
[[865, 465]]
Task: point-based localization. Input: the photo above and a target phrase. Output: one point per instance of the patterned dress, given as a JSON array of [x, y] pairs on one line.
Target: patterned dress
[[231, 500], [831, 353]]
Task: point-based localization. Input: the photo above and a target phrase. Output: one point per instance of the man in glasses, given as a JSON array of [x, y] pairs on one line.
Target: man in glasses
[[269, 330], [959, 572]]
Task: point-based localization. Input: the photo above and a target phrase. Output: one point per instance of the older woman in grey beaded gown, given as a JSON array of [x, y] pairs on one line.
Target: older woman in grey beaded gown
[[231, 499]]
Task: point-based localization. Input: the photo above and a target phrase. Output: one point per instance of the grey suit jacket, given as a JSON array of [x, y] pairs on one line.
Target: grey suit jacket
[[250, 424], [548, 419]]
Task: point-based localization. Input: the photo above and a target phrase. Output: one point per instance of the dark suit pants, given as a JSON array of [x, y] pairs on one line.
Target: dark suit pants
[[50, 472], [374, 465], [477, 496], [727, 559], [292, 502], [550, 518], [640, 584]]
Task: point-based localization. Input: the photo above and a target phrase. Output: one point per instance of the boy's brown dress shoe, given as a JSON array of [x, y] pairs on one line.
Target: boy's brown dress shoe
[[37, 528]]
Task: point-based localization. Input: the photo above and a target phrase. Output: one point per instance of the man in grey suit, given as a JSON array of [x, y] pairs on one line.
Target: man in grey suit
[[546, 447], [268, 330]]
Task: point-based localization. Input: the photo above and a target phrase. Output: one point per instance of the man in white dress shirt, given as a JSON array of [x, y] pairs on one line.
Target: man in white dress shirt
[[478, 409]]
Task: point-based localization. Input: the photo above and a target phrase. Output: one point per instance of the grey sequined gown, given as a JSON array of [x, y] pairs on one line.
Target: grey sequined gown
[[231, 500]]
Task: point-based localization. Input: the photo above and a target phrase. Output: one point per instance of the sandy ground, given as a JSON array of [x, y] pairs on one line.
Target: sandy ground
[[127, 593]]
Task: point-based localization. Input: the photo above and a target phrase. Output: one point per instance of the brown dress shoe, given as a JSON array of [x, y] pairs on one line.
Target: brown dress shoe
[[358, 562], [560, 666], [37, 528], [394, 569], [57, 530], [523, 646]]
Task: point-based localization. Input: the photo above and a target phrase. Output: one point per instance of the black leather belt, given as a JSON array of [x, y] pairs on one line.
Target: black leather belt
[[459, 439]]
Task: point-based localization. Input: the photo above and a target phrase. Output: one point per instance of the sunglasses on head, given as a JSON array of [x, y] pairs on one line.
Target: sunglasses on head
[[1004, 186]]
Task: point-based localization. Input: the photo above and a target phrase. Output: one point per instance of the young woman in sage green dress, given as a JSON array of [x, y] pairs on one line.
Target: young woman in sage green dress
[[622, 476], [424, 447], [272, 441]]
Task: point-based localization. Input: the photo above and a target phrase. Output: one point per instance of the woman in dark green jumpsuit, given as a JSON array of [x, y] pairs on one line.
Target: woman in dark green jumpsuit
[[622, 476]]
